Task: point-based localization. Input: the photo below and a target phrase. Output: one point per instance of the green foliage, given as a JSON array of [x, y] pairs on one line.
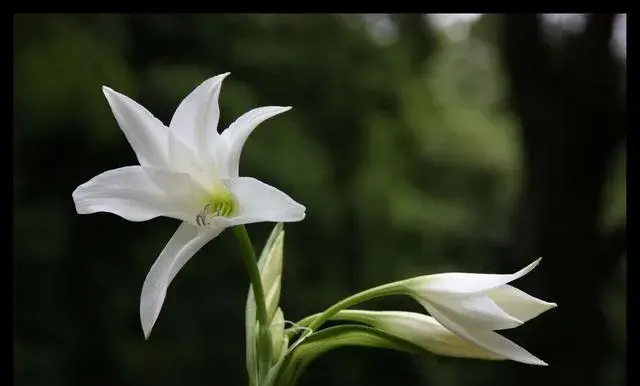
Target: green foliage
[[336, 337]]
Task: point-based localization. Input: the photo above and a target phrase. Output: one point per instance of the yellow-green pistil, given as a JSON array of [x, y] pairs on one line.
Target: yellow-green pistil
[[221, 204]]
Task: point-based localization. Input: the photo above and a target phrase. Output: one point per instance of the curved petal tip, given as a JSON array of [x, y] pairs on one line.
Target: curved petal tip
[[216, 80], [186, 241], [109, 92], [149, 311], [527, 269]]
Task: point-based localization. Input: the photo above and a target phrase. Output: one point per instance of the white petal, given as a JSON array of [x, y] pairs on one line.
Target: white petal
[[185, 192], [145, 133], [519, 304], [174, 184], [186, 241], [127, 192], [476, 310], [487, 339], [238, 132], [422, 330], [183, 159], [195, 121], [465, 283], [261, 202]]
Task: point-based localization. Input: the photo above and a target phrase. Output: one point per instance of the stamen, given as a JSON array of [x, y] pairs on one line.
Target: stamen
[[222, 204], [201, 218]]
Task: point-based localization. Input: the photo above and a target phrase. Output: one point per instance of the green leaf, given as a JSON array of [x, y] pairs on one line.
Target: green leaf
[[271, 274], [277, 335], [250, 312], [334, 337], [275, 232]]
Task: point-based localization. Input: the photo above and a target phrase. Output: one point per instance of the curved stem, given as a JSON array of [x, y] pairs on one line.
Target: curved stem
[[316, 321]]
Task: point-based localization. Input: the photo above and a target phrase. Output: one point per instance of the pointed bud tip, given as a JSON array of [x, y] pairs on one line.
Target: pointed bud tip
[[532, 360], [146, 331]]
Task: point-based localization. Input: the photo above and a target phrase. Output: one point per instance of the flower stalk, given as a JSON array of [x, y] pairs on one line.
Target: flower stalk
[[314, 322], [264, 340], [250, 263]]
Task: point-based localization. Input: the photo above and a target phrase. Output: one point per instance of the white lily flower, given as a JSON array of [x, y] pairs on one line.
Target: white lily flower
[[421, 330], [473, 305], [187, 171]]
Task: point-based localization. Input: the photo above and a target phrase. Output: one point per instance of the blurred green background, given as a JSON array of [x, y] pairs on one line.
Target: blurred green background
[[418, 145]]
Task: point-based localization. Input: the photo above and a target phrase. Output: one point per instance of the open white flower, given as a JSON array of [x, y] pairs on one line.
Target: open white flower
[[473, 305], [187, 171]]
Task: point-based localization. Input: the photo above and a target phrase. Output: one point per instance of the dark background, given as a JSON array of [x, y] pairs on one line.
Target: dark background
[[417, 147]]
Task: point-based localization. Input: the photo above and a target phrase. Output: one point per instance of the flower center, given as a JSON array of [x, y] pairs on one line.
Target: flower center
[[221, 204]]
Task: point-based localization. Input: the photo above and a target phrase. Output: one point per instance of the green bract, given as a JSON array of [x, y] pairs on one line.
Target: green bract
[[335, 337], [258, 354]]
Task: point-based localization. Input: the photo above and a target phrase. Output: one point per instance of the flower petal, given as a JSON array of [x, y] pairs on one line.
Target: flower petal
[[127, 192], [465, 283], [419, 329], [184, 160], [261, 202], [185, 192], [187, 240], [477, 311], [145, 133], [238, 132], [518, 303], [195, 121], [487, 339]]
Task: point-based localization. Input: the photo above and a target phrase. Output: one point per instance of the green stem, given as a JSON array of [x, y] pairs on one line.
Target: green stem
[[249, 258], [316, 321], [264, 331]]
